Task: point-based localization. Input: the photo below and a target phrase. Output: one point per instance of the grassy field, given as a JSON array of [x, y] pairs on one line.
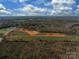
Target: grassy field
[[19, 36], [68, 38], [4, 30]]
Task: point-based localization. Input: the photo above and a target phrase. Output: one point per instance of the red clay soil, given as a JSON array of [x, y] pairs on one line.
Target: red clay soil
[[36, 33]]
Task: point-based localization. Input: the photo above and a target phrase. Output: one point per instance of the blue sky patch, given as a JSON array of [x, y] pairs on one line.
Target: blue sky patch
[[39, 7]]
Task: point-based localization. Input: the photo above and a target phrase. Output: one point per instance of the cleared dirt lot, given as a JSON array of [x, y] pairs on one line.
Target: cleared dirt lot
[[20, 34]]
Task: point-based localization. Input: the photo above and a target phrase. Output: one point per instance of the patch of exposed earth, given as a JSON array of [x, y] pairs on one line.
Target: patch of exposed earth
[[36, 33]]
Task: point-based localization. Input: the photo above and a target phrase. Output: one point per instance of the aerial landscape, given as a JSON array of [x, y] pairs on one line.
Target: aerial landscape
[[56, 37], [39, 29]]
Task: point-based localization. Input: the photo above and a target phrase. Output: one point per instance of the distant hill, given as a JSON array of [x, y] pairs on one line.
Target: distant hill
[[40, 17]]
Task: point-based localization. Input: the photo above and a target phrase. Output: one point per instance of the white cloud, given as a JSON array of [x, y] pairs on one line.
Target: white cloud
[[58, 7], [22, 0], [3, 10], [2, 7], [77, 10], [64, 1], [62, 7], [32, 10]]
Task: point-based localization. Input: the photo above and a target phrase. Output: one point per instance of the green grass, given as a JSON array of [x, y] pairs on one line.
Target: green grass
[[47, 38], [26, 37], [29, 38], [4, 30], [68, 38], [72, 37]]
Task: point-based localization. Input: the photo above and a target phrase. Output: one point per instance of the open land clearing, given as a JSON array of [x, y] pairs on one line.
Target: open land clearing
[[21, 34]]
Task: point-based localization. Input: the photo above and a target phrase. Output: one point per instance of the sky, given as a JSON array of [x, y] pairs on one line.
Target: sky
[[39, 7]]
